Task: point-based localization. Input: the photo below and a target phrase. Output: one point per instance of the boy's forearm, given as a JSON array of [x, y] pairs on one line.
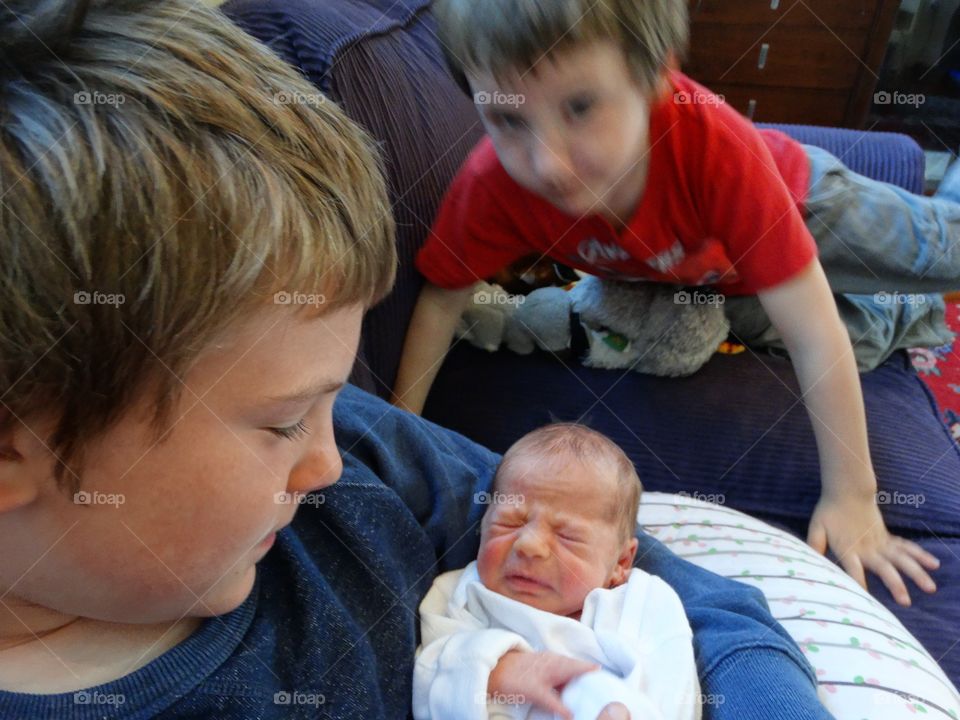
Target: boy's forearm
[[804, 312], [830, 385], [428, 338]]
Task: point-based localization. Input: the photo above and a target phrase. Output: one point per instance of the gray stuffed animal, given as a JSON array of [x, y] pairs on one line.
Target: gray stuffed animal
[[651, 328]]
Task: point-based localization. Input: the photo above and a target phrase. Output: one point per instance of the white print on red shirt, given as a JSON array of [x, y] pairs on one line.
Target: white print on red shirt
[[668, 259], [599, 254]]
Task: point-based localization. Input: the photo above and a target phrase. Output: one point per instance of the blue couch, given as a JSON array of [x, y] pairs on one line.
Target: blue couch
[[736, 428]]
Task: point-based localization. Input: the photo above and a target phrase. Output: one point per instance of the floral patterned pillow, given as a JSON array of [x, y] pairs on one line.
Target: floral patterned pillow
[[868, 665]]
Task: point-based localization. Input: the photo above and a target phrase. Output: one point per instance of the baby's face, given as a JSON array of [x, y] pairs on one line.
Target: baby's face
[[548, 538]]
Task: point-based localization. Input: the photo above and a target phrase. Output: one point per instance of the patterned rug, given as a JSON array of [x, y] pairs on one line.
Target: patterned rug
[[940, 370]]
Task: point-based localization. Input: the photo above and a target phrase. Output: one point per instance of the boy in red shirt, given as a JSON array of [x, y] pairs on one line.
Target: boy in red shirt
[[600, 156]]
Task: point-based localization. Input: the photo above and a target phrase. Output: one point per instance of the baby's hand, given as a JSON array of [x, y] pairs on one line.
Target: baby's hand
[[536, 678], [614, 711]]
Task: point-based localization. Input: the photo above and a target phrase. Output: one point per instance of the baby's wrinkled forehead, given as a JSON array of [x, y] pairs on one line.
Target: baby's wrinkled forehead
[[533, 479]]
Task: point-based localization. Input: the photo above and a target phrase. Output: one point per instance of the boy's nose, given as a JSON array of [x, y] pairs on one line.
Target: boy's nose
[[551, 165], [320, 466]]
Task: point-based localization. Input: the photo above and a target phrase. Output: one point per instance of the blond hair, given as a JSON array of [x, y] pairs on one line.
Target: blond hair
[[503, 36], [586, 446], [155, 155]]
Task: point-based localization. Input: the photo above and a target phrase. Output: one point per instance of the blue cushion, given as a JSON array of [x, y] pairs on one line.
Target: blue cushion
[[735, 428], [891, 157]]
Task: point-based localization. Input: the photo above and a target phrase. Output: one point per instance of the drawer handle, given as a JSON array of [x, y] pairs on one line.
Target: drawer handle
[[751, 109], [764, 53]]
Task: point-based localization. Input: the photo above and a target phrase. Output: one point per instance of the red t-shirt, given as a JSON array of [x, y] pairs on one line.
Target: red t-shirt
[[722, 207]]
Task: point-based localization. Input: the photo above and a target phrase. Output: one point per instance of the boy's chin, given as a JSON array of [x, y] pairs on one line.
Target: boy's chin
[[227, 595], [577, 206]]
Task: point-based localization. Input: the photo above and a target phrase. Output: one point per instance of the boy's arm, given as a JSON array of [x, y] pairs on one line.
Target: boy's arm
[[847, 517], [741, 651], [428, 338]]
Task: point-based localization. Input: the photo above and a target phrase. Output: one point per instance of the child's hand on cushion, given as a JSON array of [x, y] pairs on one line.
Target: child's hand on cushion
[[853, 528], [537, 677]]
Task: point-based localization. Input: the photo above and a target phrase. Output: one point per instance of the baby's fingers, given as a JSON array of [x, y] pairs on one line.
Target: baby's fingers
[[546, 698], [615, 711], [558, 670]]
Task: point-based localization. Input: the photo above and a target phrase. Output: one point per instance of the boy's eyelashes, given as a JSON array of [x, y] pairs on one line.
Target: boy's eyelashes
[[507, 120], [292, 432], [579, 106]]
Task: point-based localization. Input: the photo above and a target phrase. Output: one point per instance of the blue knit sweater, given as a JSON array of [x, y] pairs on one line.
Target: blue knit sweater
[[330, 628]]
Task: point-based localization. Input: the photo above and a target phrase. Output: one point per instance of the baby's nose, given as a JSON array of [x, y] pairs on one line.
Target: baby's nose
[[531, 544]]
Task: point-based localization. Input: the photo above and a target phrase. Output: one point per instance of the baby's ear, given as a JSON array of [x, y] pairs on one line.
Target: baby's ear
[[625, 561]]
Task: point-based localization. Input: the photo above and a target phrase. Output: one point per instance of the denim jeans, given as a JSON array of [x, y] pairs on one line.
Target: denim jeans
[[875, 237], [887, 254]]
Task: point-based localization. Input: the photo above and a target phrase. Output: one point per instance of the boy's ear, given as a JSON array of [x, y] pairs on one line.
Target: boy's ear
[[17, 487], [672, 63], [663, 89]]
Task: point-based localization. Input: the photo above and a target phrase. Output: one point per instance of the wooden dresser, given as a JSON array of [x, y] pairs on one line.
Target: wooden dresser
[[792, 61]]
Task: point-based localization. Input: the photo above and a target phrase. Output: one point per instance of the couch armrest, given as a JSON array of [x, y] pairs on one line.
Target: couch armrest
[[890, 157]]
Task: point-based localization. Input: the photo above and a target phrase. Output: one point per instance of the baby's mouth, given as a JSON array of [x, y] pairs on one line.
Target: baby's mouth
[[524, 583]]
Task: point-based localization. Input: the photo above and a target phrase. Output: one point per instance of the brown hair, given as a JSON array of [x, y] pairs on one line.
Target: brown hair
[[163, 174], [500, 36], [588, 446]]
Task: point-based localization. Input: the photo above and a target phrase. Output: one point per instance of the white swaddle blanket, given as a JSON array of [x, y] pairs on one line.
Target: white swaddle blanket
[[637, 632]]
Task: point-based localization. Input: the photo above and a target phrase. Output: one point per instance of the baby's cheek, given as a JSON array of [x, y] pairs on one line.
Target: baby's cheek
[[580, 578], [489, 561]]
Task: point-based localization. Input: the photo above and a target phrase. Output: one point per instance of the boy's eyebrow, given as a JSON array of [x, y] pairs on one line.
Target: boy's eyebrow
[[308, 393]]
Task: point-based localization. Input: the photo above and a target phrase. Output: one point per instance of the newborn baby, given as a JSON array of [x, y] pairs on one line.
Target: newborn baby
[[552, 619]]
